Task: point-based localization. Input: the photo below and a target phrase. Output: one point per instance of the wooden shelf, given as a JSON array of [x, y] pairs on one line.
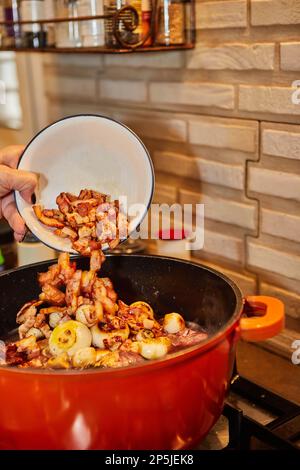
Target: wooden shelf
[[97, 50], [116, 17]]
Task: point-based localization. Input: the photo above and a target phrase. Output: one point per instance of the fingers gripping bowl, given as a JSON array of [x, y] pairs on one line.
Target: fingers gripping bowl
[[169, 403]]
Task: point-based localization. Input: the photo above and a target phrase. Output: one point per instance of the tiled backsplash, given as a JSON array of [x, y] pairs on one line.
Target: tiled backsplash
[[222, 129]]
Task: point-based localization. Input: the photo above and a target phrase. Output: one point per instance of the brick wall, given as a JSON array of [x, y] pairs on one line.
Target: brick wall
[[221, 128]]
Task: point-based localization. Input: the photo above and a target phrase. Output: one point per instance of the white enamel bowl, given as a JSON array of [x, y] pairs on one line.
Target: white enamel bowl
[[86, 151]]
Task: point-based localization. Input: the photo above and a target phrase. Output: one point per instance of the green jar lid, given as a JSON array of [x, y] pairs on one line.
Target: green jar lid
[[1, 258]]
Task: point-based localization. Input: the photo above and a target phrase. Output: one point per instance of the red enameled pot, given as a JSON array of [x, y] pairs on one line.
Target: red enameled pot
[[165, 404]]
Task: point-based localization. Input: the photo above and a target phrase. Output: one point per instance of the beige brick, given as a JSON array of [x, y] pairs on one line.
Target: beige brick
[[233, 57], [168, 60], [280, 224], [281, 143], [290, 56], [200, 169], [275, 183], [74, 60], [125, 90], [154, 127], [270, 259], [222, 14], [222, 210], [226, 246], [267, 99], [70, 87], [223, 133], [268, 12], [290, 299], [195, 94]]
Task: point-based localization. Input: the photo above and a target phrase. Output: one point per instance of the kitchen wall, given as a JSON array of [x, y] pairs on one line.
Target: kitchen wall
[[222, 129]]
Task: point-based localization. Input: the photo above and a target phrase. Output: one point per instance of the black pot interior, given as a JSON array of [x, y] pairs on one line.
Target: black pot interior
[[201, 295]]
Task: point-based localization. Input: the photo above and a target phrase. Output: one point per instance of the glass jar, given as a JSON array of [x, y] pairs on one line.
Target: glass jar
[[67, 34], [11, 33], [170, 29], [33, 35], [92, 32], [130, 37], [110, 8]]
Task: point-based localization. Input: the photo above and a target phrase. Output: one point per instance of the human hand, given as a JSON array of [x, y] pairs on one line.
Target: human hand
[[12, 179]]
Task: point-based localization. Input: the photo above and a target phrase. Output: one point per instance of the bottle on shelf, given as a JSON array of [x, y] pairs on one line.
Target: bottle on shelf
[[171, 26], [92, 32], [11, 33], [67, 33], [146, 21], [110, 8], [34, 35], [49, 13], [137, 34], [130, 37]]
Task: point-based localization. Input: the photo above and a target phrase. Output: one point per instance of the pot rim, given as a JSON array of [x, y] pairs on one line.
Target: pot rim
[[177, 356]]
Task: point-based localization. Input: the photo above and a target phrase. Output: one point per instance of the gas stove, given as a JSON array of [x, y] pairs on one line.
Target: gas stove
[[254, 418]]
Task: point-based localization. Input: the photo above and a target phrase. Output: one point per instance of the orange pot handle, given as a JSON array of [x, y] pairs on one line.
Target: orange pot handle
[[263, 317]]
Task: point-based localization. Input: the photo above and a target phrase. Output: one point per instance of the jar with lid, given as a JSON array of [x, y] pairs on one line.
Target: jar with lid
[[130, 36], [170, 29], [92, 31], [11, 33], [67, 33], [34, 34]]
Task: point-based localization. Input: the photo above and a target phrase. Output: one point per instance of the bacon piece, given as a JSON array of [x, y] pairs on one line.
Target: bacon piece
[[54, 213], [73, 290], [87, 281], [50, 277], [28, 311], [50, 222], [97, 258], [63, 203], [85, 194], [66, 232], [67, 268], [52, 295]]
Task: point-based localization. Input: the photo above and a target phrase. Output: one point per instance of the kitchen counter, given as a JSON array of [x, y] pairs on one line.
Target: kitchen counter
[[269, 370]]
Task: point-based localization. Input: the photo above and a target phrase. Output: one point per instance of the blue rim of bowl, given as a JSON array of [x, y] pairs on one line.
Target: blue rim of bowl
[[108, 119]]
